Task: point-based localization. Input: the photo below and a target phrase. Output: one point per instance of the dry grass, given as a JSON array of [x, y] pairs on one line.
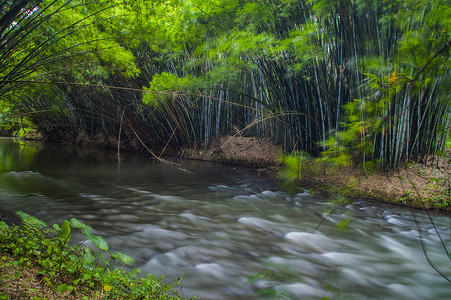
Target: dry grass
[[246, 151], [421, 185]]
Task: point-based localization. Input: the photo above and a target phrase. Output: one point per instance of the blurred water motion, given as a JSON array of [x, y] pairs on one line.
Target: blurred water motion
[[228, 242]]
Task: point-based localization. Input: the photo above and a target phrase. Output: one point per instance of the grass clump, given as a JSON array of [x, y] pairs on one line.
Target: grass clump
[[37, 262]]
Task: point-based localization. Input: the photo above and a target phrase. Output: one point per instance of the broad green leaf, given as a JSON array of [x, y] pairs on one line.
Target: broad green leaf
[[89, 255], [124, 258], [103, 245], [62, 288], [65, 232], [98, 241], [77, 224]]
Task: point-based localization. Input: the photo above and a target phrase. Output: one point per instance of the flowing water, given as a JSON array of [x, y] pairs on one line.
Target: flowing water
[[230, 234]]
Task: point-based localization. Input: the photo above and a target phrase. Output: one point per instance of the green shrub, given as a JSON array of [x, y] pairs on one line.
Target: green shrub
[[77, 269]]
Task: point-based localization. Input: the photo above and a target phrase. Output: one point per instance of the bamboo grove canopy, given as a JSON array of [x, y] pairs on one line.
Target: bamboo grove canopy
[[366, 80]]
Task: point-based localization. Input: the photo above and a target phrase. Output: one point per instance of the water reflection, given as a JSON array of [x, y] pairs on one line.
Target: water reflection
[[231, 234]]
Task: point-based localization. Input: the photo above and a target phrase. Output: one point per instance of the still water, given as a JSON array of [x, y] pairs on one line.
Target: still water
[[229, 234]]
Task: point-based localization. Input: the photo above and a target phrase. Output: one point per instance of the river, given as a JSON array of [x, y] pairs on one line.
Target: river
[[228, 233]]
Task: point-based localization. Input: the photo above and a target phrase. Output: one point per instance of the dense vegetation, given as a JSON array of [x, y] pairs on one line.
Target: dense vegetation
[[76, 272], [359, 80]]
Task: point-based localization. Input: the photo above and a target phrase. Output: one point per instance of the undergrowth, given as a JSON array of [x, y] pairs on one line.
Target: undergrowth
[[74, 270]]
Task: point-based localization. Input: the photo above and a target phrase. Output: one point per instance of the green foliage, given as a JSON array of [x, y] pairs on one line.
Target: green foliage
[[57, 41], [97, 41], [344, 224], [3, 226], [337, 154], [297, 65], [166, 86], [64, 232], [291, 172], [71, 268], [32, 221]]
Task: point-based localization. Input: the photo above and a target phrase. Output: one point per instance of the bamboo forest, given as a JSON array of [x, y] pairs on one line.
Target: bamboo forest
[[325, 112]]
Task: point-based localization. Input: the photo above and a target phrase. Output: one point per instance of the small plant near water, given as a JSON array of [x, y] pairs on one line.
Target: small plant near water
[[72, 271], [292, 171]]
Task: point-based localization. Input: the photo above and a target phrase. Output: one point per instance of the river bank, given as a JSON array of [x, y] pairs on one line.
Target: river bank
[[424, 185]]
